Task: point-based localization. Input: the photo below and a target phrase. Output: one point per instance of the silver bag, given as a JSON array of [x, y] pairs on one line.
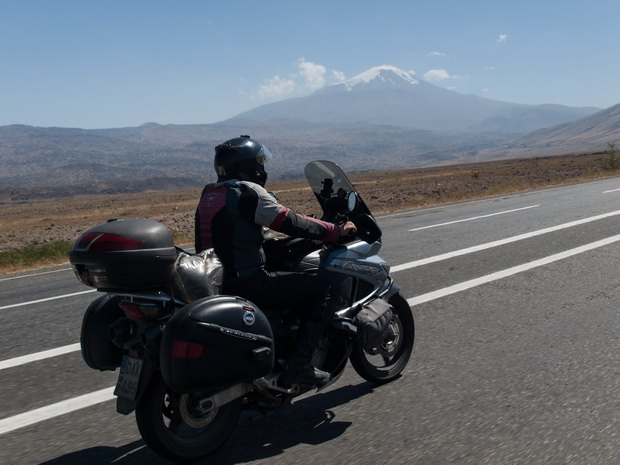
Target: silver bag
[[197, 276]]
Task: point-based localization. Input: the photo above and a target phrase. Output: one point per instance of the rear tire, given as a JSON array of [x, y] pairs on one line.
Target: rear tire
[[385, 362], [165, 429]]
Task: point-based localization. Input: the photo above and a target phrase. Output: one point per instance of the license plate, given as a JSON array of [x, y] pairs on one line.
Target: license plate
[[128, 378]]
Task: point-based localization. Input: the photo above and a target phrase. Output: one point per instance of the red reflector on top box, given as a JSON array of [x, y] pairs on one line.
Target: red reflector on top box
[[98, 242]]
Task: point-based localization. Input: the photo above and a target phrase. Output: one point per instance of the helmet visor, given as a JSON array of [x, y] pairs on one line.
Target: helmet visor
[[263, 156]]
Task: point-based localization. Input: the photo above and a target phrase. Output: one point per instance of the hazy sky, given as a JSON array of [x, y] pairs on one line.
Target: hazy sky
[[102, 64]]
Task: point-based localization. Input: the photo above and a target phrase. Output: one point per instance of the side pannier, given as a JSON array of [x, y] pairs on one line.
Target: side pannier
[[98, 350], [216, 342]]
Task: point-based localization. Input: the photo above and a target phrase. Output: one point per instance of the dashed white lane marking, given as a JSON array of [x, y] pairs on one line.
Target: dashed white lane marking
[[64, 296], [13, 362], [474, 218], [51, 411]]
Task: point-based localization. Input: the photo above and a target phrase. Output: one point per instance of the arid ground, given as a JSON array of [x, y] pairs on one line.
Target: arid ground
[[38, 222]]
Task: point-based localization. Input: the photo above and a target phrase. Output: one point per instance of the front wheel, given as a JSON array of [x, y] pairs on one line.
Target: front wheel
[[171, 425], [385, 362]]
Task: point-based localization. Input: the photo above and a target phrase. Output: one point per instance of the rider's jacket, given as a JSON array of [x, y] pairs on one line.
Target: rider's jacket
[[230, 218]]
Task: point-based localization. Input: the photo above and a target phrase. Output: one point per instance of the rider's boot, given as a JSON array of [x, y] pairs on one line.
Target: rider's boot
[[299, 370]]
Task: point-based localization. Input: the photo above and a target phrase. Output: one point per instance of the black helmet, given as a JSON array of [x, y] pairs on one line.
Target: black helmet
[[242, 158]]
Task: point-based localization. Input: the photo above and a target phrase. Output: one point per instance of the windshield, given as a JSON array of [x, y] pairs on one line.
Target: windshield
[[326, 178], [332, 189]]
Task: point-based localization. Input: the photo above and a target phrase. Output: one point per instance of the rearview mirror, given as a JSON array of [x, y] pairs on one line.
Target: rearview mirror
[[352, 200]]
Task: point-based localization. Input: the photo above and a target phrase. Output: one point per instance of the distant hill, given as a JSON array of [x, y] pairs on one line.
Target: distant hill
[[590, 133], [384, 118], [56, 157]]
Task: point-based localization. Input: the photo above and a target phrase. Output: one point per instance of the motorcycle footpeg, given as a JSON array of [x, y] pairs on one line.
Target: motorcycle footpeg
[[273, 383], [301, 386]]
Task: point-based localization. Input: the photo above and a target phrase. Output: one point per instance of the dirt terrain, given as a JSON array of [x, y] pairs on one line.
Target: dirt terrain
[[39, 222]]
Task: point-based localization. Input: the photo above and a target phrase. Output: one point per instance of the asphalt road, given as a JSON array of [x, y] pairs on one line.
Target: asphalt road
[[516, 358]]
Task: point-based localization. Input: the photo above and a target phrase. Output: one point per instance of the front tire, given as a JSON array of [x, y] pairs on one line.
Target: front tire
[[385, 362], [173, 430]]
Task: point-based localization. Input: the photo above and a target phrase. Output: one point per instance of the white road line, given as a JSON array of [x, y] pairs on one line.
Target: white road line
[[51, 411], [47, 299], [35, 274], [613, 190], [473, 218], [13, 362], [508, 272], [87, 400], [508, 240]]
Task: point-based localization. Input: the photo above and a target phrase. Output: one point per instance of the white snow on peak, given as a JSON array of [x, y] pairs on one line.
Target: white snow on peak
[[378, 73]]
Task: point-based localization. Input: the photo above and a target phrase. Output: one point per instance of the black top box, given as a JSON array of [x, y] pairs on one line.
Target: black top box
[[134, 254]]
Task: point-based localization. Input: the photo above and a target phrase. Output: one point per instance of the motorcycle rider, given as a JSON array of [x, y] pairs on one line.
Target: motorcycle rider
[[230, 218]]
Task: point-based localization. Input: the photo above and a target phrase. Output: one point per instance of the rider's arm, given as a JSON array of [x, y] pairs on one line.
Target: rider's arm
[[293, 224], [268, 212]]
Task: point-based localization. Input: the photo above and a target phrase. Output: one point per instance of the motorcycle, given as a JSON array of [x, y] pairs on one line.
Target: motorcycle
[[192, 359]]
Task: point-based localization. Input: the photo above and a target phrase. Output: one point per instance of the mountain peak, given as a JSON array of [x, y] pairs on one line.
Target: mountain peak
[[386, 95], [386, 76]]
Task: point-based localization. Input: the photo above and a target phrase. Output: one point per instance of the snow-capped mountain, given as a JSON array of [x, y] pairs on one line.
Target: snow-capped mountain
[[380, 76], [387, 95]]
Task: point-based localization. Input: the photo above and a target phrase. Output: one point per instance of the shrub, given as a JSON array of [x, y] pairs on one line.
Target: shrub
[[36, 254], [611, 161]]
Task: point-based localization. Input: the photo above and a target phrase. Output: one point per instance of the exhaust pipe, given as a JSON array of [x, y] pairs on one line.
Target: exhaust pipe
[[119, 332], [150, 338]]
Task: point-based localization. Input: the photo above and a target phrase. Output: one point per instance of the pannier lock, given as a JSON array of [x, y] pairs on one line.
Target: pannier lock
[[248, 317]]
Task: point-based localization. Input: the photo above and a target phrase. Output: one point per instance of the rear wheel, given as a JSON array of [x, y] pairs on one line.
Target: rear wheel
[[171, 424], [386, 361]]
